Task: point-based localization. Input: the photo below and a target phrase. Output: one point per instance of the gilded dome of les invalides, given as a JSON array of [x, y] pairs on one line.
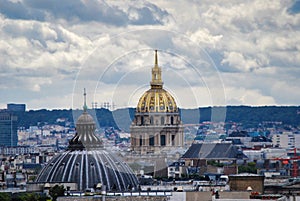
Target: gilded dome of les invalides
[[157, 126], [156, 99]]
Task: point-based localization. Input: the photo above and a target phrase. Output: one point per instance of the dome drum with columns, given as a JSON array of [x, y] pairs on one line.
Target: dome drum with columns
[[87, 163], [157, 125]]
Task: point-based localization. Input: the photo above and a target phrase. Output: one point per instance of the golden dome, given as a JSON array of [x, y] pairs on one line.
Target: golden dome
[[156, 99]]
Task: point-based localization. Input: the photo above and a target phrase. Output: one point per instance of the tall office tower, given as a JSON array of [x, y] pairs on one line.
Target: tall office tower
[[8, 129], [16, 107]]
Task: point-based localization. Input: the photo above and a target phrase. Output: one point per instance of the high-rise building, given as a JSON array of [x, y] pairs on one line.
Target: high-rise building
[[157, 126], [16, 107], [8, 129]]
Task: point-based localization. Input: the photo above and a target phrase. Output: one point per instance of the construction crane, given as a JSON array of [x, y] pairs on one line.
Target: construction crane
[[294, 160]]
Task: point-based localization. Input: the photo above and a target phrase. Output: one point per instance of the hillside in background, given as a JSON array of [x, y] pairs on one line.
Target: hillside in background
[[246, 115], [42, 117]]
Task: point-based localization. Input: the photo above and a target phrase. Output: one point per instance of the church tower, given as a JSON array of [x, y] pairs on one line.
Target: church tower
[[157, 126]]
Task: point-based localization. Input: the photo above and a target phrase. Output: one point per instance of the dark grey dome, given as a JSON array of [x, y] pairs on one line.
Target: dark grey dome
[[87, 163], [87, 169]]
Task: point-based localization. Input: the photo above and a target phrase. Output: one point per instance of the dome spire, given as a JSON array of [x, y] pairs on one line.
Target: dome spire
[[156, 60], [84, 105], [156, 82]]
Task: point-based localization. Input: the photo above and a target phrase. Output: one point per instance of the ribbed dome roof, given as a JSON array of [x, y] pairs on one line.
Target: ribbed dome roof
[[156, 99], [85, 137], [87, 169], [85, 118], [87, 163]]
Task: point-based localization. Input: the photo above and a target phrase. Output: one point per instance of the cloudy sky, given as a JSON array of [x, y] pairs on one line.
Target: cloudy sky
[[211, 52]]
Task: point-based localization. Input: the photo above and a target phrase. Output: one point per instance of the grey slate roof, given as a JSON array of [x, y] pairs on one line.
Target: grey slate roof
[[213, 151]]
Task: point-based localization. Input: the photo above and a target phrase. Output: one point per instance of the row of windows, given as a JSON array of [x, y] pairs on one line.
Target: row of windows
[[162, 121], [162, 140], [161, 108]]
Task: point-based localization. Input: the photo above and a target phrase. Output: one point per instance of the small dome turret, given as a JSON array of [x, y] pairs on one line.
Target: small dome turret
[[85, 118], [85, 131]]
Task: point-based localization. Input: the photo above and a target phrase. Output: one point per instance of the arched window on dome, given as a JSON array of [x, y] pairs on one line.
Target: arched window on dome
[[172, 120], [142, 120], [151, 120]]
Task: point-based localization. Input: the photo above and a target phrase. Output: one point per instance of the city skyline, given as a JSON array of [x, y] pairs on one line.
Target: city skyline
[[211, 53]]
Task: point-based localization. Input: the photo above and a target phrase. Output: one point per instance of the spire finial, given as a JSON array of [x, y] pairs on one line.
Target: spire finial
[[84, 106], [156, 60], [156, 81]]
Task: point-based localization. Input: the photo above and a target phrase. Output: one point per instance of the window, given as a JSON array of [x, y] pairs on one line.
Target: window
[[141, 140], [173, 139], [151, 140], [162, 120], [163, 140], [151, 120]]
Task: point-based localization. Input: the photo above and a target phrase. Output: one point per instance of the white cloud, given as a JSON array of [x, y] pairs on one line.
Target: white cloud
[[242, 96], [254, 45], [203, 36], [237, 61]]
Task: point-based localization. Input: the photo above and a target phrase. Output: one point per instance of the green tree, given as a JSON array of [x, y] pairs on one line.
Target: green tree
[[249, 168], [56, 191], [5, 197], [28, 197], [215, 163]]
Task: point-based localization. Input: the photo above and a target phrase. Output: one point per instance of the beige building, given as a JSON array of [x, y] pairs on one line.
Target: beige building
[[287, 140], [157, 126]]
